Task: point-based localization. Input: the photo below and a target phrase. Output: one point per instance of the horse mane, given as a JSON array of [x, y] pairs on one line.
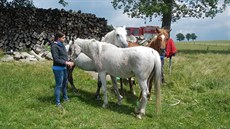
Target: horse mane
[[108, 35], [133, 44]]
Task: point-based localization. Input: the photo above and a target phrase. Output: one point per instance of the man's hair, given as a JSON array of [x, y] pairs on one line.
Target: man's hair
[[58, 35]]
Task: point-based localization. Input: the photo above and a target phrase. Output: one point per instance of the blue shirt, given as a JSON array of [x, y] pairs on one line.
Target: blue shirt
[[59, 55], [58, 68]]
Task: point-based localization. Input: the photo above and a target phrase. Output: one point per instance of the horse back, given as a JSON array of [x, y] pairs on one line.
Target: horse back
[[129, 61]]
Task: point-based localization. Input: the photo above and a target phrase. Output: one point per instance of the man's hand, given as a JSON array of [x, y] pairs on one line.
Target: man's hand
[[69, 64]]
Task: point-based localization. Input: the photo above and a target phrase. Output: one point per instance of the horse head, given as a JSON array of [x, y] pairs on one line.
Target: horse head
[[164, 31], [117, 37], [74, 50], [160, 40]]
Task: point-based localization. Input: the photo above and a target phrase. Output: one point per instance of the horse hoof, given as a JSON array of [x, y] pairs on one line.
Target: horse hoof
[[150, 99], [75, 91], [104, 105], [98, 97], [139, 116], [121, 97], [119, 103], [134, 93]]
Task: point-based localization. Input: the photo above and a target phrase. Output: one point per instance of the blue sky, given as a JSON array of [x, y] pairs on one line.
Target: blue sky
[[206, 29]]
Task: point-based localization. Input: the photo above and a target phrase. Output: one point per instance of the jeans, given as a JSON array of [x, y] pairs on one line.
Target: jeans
[[61, 85], [162, 55]]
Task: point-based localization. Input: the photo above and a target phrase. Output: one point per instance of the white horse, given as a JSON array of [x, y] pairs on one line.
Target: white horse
[[116, 37], [142, 62]]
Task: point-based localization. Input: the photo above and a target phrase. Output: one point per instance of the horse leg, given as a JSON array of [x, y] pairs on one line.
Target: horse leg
[[97, 94], [131, 86], [119, 97], [157, 86], [122, 89], [150, 84], [144, 89], [103, 81], [150, 88], [70, 78]]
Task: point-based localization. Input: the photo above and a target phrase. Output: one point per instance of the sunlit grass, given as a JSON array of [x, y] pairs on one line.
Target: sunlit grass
[[194, 47], [199, 80]]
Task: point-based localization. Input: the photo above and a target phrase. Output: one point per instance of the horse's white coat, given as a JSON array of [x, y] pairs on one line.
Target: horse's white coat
[[143, 62], [116, 37]]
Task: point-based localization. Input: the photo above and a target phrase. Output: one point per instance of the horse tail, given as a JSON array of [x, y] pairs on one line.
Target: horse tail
[[156, 76]]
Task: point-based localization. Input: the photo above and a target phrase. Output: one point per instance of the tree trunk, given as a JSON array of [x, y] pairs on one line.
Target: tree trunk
[[167, 16]]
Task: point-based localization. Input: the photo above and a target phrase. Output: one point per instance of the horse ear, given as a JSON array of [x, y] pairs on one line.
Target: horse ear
[[114, 27], [158, 30], [169, 30]]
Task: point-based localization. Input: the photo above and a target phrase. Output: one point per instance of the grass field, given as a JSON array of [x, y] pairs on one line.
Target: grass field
[[204, 46], [199, 79]]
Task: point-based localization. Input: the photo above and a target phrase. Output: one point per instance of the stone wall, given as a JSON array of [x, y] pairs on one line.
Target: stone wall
[[25, 28]]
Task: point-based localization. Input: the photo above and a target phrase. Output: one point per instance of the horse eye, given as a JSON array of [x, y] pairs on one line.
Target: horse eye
[[117, 35]]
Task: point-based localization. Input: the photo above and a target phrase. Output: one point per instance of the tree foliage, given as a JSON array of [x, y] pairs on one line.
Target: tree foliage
[[180, 37], [22, 3], [3, 3], [171, 10], [17, 3], [188, 36], [63, 2], [193, 36]]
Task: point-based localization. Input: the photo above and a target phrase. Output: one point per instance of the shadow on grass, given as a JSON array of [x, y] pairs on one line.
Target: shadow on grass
[[127, 106], [89, 98], [46, 99], [204, 51]]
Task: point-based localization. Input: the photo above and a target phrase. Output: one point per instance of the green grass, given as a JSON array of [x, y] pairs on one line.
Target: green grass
[[212, 42], [204, 47], [199, 80]]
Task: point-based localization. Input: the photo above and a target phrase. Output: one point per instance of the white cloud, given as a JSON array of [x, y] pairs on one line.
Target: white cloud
[[206, 29]]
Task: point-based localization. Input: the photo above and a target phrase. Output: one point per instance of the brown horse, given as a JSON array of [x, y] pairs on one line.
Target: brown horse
[[159, 44], [159, 41]]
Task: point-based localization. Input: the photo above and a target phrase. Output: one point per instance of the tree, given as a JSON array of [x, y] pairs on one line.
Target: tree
[[193, 36], [22, 3], [180, 37], [171, 10], [63, 2], [188, 36], [17, 3], [3, 2]]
